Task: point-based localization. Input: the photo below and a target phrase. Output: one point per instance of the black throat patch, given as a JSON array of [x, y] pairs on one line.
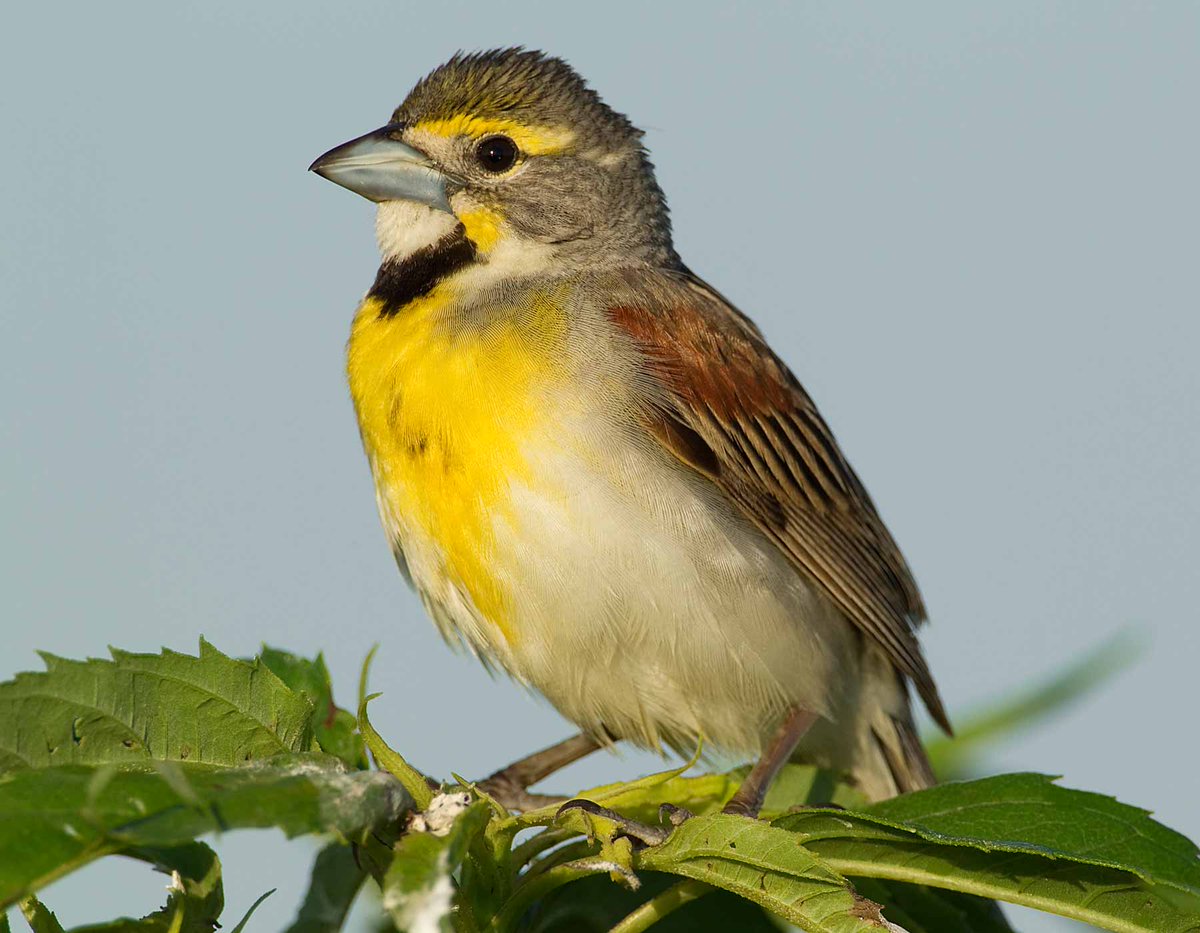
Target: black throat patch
[[399, 281]]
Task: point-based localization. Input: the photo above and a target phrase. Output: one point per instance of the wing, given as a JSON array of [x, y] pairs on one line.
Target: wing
[[730, 409]]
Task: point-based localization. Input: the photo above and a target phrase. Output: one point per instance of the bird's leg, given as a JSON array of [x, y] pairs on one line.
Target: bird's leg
[[643, 833], [746, 802], [749, 797], [509, 786]]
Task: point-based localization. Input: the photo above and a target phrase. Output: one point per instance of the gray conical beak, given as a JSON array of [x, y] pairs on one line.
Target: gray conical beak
[[381, 168]]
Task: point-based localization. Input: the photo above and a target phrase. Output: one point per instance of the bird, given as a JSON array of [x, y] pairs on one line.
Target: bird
[[592, 467]]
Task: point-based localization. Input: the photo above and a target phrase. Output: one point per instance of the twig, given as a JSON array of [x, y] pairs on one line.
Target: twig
[[526, 895], [535, 845], [658, 907]]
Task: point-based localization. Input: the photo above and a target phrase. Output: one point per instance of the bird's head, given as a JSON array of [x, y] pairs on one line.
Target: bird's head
[[511, 149]]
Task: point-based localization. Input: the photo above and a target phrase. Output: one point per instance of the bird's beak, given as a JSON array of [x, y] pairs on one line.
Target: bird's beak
[[381, 168]]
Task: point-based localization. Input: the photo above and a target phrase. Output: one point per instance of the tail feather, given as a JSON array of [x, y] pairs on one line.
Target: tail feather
[[911, 768], [890, 758], [894, 760]]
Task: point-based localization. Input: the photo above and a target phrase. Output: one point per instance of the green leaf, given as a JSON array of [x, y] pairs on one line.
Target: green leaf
[[595, 905], [1023, 839], [1104, 897], [335, 729], [1030, 813], [707, 793], [954, 757], [622, 793], [195, 896], [335, 882], [385, 756], [767, 866], [57, 819], [921, 909], [39, 918], [170, 706], [241, 924], [701, 794], [390, 760], [805, 785], [418, 891]]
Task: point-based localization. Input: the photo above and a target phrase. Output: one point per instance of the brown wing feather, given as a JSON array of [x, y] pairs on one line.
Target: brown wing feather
[[734, 412]]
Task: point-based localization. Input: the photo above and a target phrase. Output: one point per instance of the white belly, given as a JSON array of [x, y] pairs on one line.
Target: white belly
[[646, 608]]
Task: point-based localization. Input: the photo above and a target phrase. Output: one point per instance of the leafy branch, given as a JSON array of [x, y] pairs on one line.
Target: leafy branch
[[139, 755]]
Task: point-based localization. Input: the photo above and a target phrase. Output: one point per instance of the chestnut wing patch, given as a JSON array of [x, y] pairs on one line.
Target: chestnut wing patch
[[734, 413]]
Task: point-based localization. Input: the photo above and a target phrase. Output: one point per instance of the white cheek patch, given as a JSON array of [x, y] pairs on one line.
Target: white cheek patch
[[403, 227]]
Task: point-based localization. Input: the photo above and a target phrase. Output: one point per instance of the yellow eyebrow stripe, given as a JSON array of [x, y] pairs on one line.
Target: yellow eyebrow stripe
[[532, 140]]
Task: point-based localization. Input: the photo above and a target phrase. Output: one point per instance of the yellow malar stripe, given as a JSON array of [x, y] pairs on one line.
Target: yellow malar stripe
[[483, 227]]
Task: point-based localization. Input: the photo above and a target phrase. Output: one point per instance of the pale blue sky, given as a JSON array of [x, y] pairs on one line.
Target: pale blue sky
[[971, 229]]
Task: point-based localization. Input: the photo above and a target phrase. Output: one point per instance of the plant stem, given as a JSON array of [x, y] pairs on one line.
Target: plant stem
[[546, 839], [568, 853], [391, 760], [526, 895], [464, 914], [658, 907]]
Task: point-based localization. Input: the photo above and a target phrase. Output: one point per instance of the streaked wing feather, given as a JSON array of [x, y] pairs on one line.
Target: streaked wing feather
[[732, 410]]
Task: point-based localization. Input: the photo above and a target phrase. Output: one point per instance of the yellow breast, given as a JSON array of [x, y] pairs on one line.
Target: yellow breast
[[446, 411]]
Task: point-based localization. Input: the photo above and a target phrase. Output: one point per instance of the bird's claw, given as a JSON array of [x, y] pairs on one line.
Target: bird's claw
[[636, 830], [676, 816]]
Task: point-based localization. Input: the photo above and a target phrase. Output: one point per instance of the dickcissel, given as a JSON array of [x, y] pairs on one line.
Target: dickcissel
[[593, 468]]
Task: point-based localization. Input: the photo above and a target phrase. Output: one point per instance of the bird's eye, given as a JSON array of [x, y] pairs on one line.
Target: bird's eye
[[497, 153]]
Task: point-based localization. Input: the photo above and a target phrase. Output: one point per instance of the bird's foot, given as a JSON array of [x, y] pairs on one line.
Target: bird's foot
[[614, 825], [674, 815], [737, 807]]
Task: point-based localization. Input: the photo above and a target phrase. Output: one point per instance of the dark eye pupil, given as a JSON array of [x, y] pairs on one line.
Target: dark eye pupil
[[496, 153]]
